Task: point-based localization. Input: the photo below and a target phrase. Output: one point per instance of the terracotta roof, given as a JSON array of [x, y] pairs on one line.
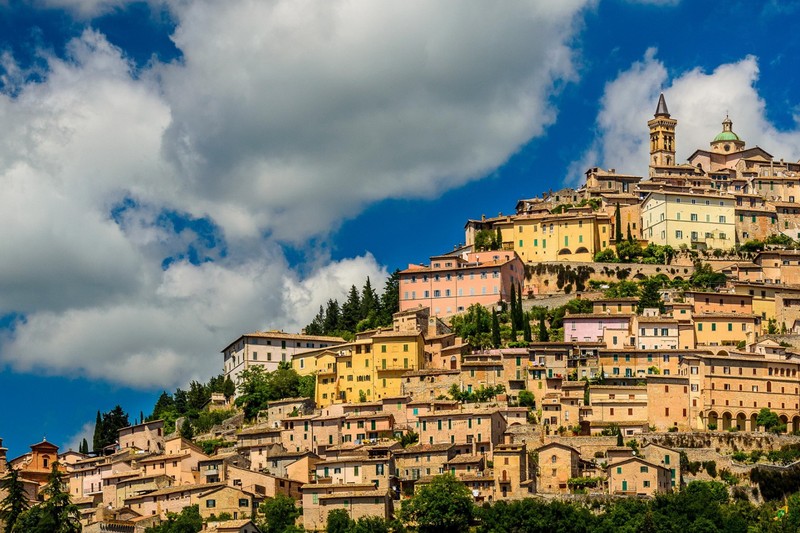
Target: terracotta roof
[[465, 459], [359, 494], [425, 448]]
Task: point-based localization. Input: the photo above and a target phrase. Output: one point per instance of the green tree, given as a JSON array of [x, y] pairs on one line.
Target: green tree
[[495, 329], [333, 318], [442, 506], [15, 502], [228, 388], [351, 310], [187, 521], [768, 419], [317, 325], [338, 521], [544, 336], [187, 432], [605, 256], [526, 331], [107, 427], [97, 439], [390, 299], [280, 514], [618, 226], [630, 235], [57, 514], [526, 399], [650, 296]]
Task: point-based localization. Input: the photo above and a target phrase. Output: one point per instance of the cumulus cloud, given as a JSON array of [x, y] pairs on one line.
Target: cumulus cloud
[[699, 100], [86, 8], [279, 120], [338, 104], [74, 442]]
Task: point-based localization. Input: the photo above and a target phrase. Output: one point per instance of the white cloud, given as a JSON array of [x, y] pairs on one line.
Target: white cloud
[[86, 8], [280, 119], [699, 100], [339, 104], [86, 432]]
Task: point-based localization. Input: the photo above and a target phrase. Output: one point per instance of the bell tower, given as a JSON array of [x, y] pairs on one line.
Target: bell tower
[[662, 136]]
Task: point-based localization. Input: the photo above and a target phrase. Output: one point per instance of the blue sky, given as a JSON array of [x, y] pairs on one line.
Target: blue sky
[[175, 174]]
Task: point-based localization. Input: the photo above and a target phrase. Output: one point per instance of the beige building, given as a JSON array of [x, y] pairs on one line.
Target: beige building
[[637, 476], [359, 500], [148, 436], [558, 463], [689, 218]]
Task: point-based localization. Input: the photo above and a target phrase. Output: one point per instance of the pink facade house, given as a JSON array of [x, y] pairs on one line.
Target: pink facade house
[[452, 283], [611, 329]]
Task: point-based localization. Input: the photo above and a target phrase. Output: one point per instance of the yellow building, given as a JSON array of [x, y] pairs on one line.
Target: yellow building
[[689, 218], [575, 234], [371, 367]]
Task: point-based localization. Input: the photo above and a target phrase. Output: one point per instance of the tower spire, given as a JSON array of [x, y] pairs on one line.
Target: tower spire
[[661, 108]]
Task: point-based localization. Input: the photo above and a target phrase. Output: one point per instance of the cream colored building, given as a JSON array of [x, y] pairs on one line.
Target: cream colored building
[[691, 219]]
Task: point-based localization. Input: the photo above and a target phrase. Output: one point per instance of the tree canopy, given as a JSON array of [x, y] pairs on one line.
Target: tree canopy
[[442, 506]]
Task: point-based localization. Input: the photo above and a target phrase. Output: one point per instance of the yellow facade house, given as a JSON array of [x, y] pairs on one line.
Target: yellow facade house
[[371, 367]]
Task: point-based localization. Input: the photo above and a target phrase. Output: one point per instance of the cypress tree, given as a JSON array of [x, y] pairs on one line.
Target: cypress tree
[[512, 310], [495, 329], [544, 336], [630, 235], [520, 312], [618, 223], [97, 439], [526, 331], [499, 240]]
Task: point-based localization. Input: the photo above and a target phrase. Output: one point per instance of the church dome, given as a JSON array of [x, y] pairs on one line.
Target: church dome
[[726, 136]]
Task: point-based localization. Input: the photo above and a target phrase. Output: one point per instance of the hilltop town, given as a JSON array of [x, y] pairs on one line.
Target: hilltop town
[[621, 338]]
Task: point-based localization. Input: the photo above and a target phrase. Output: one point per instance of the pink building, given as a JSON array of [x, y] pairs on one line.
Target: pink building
[[451, 283], [614, 329]]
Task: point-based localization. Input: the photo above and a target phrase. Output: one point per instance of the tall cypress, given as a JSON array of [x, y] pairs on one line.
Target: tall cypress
[[544, 336], [618, 222], [512, 311], [495, 329], [526, 331], [520, 312], [97, 439]]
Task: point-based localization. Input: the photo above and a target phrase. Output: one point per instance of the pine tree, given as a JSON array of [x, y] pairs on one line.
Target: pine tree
[[390, 299], [351, 310], [495, 329], [15, 502], [544, 336], [332, 318], [57, 514], [369, 301], [164, 404], [316, 327]]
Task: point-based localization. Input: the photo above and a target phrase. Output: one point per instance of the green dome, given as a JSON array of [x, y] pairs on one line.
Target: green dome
[[726, 136]]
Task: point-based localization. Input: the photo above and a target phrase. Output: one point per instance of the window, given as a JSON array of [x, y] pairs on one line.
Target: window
[[693, 217], [210, 504], [243, 502], [678, 234]]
